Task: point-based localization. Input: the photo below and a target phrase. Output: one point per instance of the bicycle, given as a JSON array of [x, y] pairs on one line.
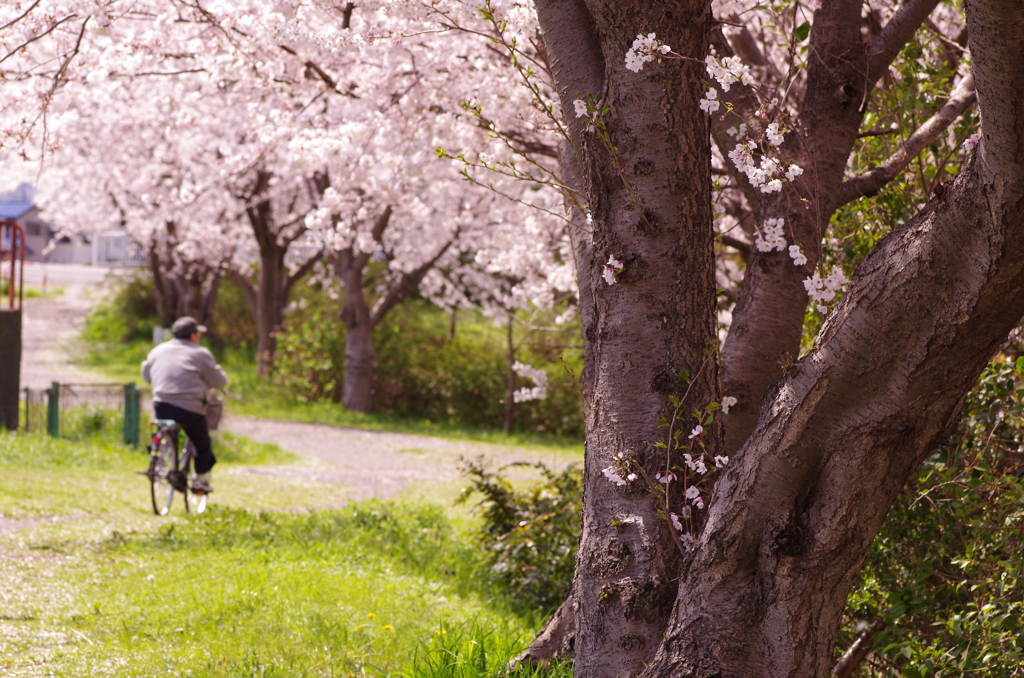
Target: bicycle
[[168, 472]]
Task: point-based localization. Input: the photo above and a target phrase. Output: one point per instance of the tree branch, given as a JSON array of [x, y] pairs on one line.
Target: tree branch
[[407, 284], [900, 28], [736, 244], [852, 658], [869, 183], [575, 55], [301, 271], [21, 16]]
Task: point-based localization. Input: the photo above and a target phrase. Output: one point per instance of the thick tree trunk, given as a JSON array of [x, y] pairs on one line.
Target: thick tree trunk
[[359, 320], [210, 296], [799, 505], [268, 296], [270, 305], [655, 321], [357, 391], [270, 279], [166, 302], [768, 319]]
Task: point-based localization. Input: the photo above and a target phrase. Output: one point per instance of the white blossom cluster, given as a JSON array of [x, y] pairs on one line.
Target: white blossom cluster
[[823, 290], [611, 270], [539, 378], [774, 135], [727, 402], [797, 255], [728, 71], [645, 48], [972, 141], [619, 472], [737, 131], [772, 236], [765, 175], [709, 104]]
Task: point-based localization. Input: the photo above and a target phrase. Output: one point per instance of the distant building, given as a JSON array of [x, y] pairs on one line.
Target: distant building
[[115, 248], [42, 243], [37, 232]]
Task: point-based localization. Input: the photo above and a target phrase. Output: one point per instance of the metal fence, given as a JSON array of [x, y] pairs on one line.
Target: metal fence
[[108, 411]]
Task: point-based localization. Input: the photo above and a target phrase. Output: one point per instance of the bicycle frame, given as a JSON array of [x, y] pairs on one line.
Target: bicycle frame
[[168, 472]]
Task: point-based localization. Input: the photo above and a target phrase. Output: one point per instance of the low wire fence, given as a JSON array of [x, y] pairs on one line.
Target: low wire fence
[[109, 411]]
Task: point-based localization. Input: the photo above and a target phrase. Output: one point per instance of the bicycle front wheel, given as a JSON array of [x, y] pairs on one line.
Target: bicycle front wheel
[[162, 462], [194, 503]]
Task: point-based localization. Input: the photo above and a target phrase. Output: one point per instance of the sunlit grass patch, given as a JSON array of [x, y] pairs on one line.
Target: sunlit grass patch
[[93, 584], [317, 594]]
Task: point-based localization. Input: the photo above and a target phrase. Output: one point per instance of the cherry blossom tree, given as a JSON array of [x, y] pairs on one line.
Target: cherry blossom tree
[[757, 583], [279, 122]]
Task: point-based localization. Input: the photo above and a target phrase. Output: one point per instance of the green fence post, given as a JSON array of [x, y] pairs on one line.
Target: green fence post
[[131, 414], [53, 410]]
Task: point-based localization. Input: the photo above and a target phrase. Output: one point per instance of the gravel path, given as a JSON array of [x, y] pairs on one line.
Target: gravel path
[[51, 326], [376, 463]]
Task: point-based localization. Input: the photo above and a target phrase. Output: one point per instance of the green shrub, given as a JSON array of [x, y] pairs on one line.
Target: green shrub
[[232, 322], [129, 314], [422, 373], [945, 572], [530, 536]]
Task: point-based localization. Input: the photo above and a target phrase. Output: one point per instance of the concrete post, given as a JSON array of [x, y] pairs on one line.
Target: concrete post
[[10, 367]]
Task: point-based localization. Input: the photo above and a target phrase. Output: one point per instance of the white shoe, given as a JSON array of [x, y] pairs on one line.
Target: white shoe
[[201, 485]]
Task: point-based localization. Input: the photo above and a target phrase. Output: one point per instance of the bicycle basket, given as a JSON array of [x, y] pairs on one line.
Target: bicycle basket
[[214, 410]]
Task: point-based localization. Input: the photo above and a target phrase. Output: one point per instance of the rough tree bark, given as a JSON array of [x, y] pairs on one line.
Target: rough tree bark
[[359, 319], [841, 74], [656, 320], [796, 509]]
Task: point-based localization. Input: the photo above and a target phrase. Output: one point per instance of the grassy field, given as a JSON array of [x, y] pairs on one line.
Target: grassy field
[[275, 580]]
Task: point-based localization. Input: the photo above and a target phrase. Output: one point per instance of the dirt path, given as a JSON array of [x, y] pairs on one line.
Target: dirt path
[[375, 463], [51, 325]]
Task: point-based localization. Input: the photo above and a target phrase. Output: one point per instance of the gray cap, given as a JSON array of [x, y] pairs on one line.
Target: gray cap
[[185, 326]]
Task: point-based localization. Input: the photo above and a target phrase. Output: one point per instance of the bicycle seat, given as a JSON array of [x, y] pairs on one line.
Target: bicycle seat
[[164, 423]]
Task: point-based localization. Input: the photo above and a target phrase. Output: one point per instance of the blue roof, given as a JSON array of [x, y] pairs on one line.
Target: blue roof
[[13, 210]]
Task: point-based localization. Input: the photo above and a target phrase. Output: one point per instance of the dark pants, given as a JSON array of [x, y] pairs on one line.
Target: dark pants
[[196, 428]]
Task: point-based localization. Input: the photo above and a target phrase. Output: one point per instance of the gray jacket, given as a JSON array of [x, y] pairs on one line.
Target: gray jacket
[[181, 373]]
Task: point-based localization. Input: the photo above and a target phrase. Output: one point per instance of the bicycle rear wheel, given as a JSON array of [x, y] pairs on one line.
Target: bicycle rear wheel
[[193, 502], [163, 461]]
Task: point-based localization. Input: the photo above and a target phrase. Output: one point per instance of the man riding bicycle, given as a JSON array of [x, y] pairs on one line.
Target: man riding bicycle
[[182, 372]]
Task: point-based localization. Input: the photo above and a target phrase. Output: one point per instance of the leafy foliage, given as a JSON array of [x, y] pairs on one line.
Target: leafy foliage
[[129, 314], [530, 535], [944, 573], [422, 372]]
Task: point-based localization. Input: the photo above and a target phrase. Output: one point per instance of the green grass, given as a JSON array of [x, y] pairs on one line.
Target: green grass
[[94, 584], [271, 594], [34, 291]]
